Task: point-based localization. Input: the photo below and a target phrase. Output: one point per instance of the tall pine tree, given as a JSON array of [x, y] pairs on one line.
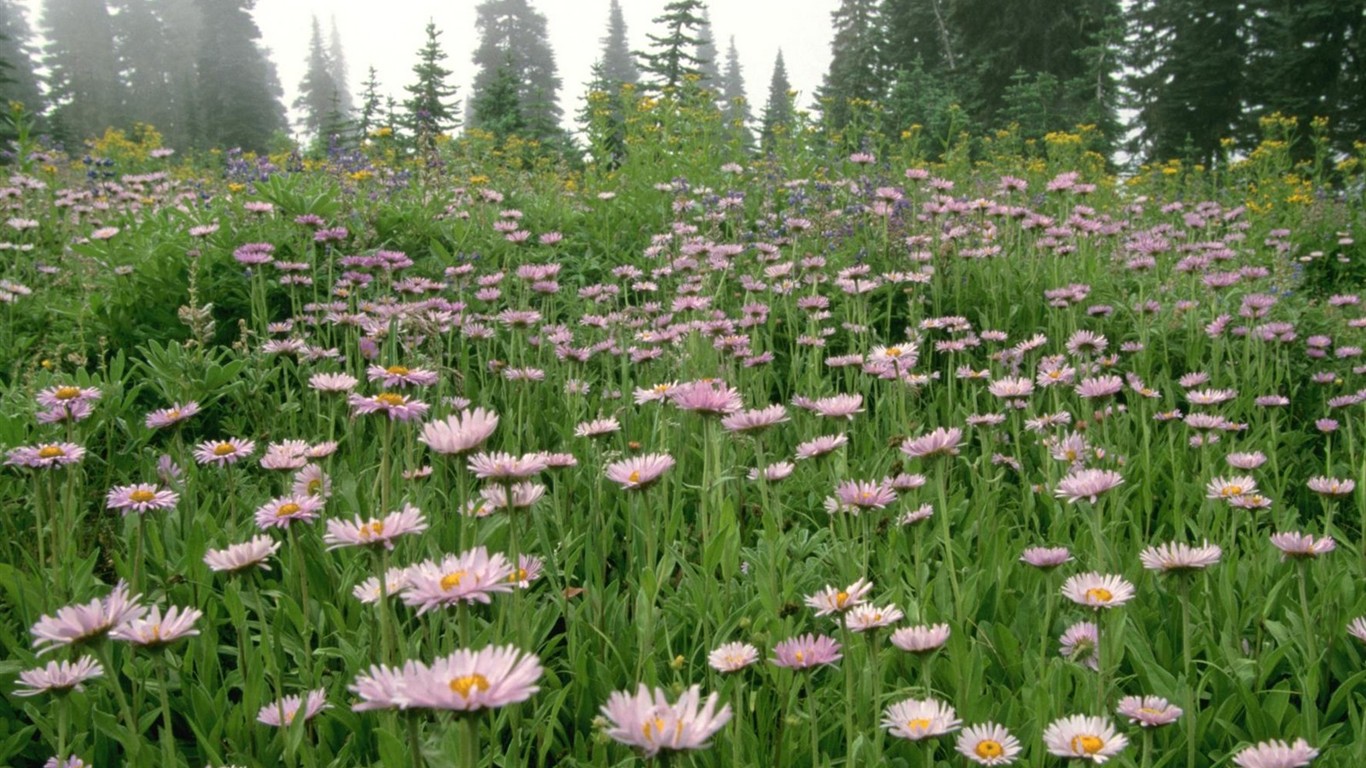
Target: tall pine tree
[[336, 56], [855, 72], [673, 55], [736, 106], [318, 92], [708, 58], [370, 107], [512, 34], [83, 70], [17, 79], [238, 91], [618, 65], [779, 115], [147, 66], [430, 106]]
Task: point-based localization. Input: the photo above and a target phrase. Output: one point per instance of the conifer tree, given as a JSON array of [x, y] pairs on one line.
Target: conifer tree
[[318, 92], [779, 115], [708, 58], [147, 65], [672, 56], [498, 108], [336, 56], [513, 34], [238, 92], [854, 73], [83, 72], [17, 79], [618, 66], [370, 107], [430, 109], [736, 107]]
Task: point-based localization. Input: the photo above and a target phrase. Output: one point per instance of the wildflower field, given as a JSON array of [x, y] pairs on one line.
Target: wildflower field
[[841, 456]]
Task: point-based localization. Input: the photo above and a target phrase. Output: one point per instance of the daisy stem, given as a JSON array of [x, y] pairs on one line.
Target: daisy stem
[[811, 725], [137, 555], [384, 466], [167, 735], [941, 486], [1102, 633], [134, 743], [469, 737], [736, 746], [63, 721], [305, 631], [386, 623], [873, 663], [849, 685], [1309, 699], [1183, 592], [1147, 747], [415, 741]]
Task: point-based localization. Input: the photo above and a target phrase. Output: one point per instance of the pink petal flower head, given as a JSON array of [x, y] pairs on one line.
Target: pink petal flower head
[[459, 434], [399, 376], [865, 494], [505, 466], [76, 624], [1357, 628], [921, 639], [1045, 557], [283, 713], [224, 452], [1331, 486], [806, 651], [166, 417], [1276, 754], [820, 446], [394, 405], [1084, 738], [45, 455], [58, 677], [1080, 644], [831, 600], [866, 617], [648, 722], [1100, 386], [1148, 711], [917, 719], [838, 406], [473, 576], [284, 511], [940, 442], [1096, 590], [755, 420], [639, 472], [155, 630], [382, 687], [1302, 545], [1178, 556], [140, 497], [240, 557], [1087, 484], [707, 397], [733, 657], [988, 744], [469, 680], [379, 532]]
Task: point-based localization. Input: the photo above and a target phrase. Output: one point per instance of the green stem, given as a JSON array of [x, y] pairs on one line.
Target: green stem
[[941, 483], [167, 734], [811, 726], [1309, 699], [1192, 715], [134, 743], [469, 741], [415, 741]]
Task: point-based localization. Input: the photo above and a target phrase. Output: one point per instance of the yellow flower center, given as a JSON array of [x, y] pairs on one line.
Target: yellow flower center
[[466, 683], [634, 476], [173, 414], [652, 728], [1231, 490], [520, 575], [68, 393], [452, 580], [894, 351], [224, 449], [314, 486], [372, 530], [396, 370], [988, 748], [389, 399], [918, 725], [155, 634], [50, 452], [800, 656], [1099, 594], [1150, 711], [1087, 744], [142, 496], [287, 509]]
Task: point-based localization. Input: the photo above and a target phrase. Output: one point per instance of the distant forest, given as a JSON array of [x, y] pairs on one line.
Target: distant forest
[[1157, 79]]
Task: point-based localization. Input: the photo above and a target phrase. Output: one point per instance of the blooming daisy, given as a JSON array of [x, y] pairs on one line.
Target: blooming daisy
[[166, 417], [396, 406], [58, 677], [1045, 557], [505, 466], [79, 623], [1085, 738], [917, 719], [286, 510], [988, 744], [377, 532], [471, 576], [140, 497], [1302, 545], [1148, 711], [647, 721], [239, 557], [806, 651], [223, 452], [733, 657], [862, 618], [639, 472], [45, 455], [921, 639], [1087, 484], [1177, 556], [283, 713], [154, 629], [1276, 754], [459, 434], [469, 680], [1080, 643], [831, 600], [820, 446], [1095, 590], [940, 442]]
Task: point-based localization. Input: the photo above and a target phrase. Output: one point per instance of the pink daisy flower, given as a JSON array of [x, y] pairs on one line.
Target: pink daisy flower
[[397, 407], [940, 442], [706, 397], [838, 406], [1079, 643], [648, 722], [1096, 590], [755, 420], [58, 677], [1276, 754], [1087, 484], [921, 639], [1177, 556], [467, 680], [806, 651], [820, 446], [155, 630], [166, 417], [283, 713], [917, 719], [286, 510], [1085, 738], [505, 466], [1045, 557], [79, 623], [379, 532], [471, 576], [831, 600], [1148, 711], [733, 657], [140, 497], [988, 744], [398, 376], [224, 452], [45, 455], [1302, 545], [639, 472], [240, 557]]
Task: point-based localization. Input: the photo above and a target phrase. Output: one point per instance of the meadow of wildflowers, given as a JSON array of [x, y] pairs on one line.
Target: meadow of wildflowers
[[814, 460]]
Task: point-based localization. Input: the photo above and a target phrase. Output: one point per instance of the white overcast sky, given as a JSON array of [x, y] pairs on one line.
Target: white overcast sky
[[386, 34]]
